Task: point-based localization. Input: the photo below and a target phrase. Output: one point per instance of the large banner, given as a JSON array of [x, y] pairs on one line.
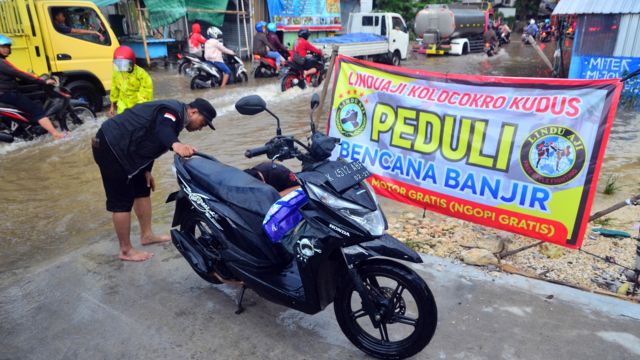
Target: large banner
[[518, 154], [315, 15]]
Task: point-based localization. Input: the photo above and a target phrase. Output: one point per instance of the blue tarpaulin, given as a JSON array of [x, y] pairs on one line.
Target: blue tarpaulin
[[350, 38]]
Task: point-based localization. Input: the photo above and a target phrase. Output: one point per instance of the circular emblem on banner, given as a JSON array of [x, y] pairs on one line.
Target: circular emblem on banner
[[351, 117], [553, 155]]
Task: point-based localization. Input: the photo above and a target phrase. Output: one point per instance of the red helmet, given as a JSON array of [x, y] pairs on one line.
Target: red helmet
[[124, 52]]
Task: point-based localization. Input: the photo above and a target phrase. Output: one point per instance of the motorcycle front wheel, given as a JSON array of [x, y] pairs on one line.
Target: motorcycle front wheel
[[82, 114], [405, 307]]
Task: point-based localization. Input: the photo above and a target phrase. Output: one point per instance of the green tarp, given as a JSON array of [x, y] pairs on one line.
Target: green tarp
[[101, 3], [165, 12]]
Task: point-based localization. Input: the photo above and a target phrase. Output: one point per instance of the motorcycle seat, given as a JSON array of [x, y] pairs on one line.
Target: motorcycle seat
[[233, 185], [7, 106]]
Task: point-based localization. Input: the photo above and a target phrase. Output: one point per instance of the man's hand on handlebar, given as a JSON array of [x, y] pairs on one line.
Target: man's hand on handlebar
[[51, 82], [183, 150]]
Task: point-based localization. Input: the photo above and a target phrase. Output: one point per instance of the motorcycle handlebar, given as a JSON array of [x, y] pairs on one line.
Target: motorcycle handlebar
[[257, 151]]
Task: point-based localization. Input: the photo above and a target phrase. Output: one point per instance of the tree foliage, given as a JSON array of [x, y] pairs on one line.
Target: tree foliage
[[526, 9]]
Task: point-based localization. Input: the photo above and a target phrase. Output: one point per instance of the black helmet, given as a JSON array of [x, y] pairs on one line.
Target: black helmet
[[304, 33]]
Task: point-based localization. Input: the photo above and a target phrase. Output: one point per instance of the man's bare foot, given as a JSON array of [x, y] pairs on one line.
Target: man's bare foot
[[135, 255], [154, 239]]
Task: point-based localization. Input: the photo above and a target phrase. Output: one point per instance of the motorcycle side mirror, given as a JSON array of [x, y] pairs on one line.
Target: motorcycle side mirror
[[251, 105], [315, 101], [254, 104]]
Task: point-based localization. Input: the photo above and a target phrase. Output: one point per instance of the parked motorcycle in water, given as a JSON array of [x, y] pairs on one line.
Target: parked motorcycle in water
[[69, 113], [294, 75], [337, 252], [206, 75]]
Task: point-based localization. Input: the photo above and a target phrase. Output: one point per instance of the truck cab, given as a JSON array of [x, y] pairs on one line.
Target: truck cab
[[389, 25], [67, 38]]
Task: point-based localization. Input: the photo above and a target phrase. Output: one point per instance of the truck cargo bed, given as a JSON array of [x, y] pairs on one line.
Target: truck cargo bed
[[369, 48]]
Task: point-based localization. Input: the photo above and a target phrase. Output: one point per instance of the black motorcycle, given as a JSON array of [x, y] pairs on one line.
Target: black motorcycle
[[59, 106], [338, 251]]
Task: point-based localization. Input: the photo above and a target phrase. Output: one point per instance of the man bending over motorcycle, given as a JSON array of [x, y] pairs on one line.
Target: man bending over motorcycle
[[262, 47], [124, 149], [300, 49], [213, 50], [9, 90]]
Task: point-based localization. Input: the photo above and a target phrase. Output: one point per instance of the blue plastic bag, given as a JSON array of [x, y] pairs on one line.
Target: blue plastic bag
[[284, 215]]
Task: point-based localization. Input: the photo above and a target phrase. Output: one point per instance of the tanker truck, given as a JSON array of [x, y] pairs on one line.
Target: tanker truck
[[451, 29]]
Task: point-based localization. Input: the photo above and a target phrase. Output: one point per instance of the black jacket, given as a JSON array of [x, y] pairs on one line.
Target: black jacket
[[261, 45], [144, 132], [9, 75]]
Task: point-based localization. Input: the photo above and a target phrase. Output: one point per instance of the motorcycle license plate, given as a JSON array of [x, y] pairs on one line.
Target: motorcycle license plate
[[345, 176]]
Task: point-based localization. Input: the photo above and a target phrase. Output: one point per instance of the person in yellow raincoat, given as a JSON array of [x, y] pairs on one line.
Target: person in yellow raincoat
[[131, 85]]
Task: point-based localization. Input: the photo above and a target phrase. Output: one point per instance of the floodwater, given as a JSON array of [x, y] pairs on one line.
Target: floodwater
[[51, 195]]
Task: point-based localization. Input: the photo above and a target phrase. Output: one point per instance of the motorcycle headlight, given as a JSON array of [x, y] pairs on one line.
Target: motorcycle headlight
[[371, 221]]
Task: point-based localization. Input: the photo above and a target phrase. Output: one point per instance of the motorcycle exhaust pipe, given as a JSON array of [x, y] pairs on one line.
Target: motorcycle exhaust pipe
[[4, 137]]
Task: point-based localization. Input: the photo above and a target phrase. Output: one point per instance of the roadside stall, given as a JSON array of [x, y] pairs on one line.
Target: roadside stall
[[156, 28], [321, 17], [606, 42]]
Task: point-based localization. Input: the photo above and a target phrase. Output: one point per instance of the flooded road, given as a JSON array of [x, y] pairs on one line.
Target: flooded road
[[52, 198]]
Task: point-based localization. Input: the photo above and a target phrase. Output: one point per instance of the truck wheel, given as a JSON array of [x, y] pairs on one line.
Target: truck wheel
[[84, 90], [395, 58], [465, 49]]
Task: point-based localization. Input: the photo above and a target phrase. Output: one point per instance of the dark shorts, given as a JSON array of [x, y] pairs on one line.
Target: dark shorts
[[31, 109], [120, 190]]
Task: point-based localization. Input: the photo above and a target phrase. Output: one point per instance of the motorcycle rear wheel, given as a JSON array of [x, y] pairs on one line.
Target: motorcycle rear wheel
[[205, 233], [185, 68], [288, 81], [390, 282], [200, 82]]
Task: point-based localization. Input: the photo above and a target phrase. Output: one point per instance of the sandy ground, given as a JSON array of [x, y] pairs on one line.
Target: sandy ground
[[447, 237]]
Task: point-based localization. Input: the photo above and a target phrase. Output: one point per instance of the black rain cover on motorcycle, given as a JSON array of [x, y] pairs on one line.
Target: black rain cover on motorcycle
[[232, 185]]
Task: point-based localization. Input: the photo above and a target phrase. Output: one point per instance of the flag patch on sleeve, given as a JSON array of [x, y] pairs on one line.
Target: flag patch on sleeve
[[170, 116]]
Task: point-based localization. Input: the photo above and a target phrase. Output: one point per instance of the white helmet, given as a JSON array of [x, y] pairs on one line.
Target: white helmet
[[214, 33], [530, 22]]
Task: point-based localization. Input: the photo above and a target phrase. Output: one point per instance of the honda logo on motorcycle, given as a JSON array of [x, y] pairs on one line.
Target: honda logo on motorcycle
[[339, 230]]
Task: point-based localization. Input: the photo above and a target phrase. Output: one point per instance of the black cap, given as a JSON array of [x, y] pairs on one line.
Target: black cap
[[206, 109]]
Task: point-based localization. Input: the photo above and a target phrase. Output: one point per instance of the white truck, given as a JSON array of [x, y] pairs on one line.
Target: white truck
[[382, 37]]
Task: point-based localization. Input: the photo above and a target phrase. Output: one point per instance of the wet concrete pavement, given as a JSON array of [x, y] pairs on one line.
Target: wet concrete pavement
[[89, 305]]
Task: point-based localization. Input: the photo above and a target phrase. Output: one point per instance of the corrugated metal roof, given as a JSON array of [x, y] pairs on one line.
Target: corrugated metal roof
[[566, 7]]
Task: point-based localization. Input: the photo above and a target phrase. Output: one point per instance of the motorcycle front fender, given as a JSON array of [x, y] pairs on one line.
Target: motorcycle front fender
[[384, 246]]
